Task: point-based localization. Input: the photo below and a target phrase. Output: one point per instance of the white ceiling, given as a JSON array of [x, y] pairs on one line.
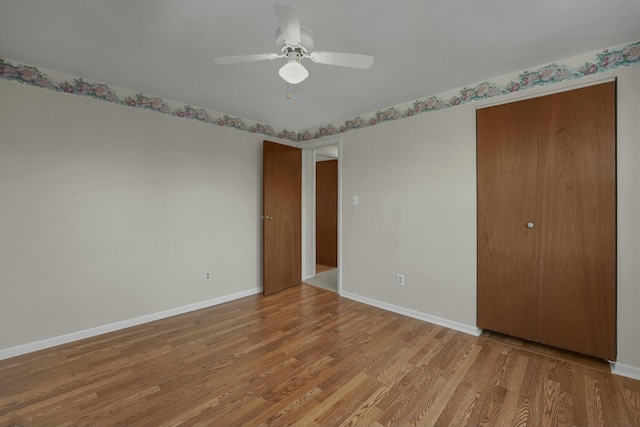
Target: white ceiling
[[421, 47]]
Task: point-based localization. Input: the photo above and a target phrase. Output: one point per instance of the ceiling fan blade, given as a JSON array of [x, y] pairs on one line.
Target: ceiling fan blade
[[226, 60], [289, 22], [352, 60]]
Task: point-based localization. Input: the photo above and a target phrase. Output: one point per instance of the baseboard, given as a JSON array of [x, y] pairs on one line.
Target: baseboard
[[623, 370], [75, 336], [462, 327]]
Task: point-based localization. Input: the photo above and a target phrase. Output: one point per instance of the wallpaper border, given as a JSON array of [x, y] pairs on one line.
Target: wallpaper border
[[609, 59]]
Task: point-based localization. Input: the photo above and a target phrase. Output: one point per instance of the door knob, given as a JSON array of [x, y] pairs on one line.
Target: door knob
[[530, 225], [267, 217]]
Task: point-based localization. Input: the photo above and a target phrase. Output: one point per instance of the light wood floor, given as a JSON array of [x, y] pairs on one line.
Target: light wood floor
[[320, 268], [307, 357]]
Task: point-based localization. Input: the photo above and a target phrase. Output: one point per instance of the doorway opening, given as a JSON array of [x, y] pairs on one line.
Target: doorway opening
[[325, 212]]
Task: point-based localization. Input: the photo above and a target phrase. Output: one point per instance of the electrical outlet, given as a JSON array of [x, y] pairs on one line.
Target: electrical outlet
[[207, 275], [400, 279]]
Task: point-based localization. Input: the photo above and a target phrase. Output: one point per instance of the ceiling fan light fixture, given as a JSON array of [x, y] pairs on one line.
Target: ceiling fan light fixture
[[293, 72]]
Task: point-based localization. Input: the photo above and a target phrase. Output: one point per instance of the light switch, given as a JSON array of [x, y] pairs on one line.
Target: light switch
[[355, 200]]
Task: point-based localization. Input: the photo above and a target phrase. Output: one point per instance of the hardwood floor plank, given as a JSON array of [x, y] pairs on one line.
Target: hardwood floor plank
[[398, 411], [614, 404], [595, 415], [550, 411], [510, 404], [430, 414], [240, 415], [369, 405], [349, 403], [632, 399], [458, 408], [306, 356], [326, 405]]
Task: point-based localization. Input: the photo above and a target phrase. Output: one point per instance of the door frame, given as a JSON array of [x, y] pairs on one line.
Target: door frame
[[309, 207]]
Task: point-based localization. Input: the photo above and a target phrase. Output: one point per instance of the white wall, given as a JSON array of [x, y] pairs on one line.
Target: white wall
[[109, 213], [416, 182], [628, 157]]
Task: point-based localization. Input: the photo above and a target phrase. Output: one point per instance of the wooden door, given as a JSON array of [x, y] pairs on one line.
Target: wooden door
[[282, 217], [550, 162], [577, 278], [507, 201], [327, 213]]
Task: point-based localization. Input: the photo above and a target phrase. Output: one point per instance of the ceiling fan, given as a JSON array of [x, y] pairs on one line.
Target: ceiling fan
[[295, 42]]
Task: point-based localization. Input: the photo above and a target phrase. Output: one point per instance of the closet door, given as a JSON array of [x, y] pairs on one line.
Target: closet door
[[577, 254], [507, 201]]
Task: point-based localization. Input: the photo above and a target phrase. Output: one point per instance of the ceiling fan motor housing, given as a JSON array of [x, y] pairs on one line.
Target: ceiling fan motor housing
[[306, 41]]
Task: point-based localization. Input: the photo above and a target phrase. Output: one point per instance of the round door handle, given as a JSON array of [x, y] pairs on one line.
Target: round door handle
[[267, 217], [529, 225]]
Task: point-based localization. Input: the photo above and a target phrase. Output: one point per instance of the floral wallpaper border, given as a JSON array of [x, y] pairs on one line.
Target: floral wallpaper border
[[609, 59]]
